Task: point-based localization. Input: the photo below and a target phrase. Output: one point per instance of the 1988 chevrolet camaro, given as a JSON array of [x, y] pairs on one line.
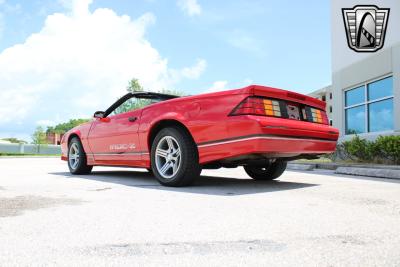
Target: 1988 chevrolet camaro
[[257, 127]]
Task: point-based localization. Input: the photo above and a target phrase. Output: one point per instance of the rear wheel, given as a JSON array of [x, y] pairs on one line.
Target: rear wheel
[[174, 158], [270, 172], [77, 163]]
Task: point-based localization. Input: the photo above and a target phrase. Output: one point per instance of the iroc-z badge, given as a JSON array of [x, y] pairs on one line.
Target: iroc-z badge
[[365, 27]]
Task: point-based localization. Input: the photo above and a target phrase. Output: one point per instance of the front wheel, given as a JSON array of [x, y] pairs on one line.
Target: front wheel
[[77, 163], [174, 158], [270, 172]]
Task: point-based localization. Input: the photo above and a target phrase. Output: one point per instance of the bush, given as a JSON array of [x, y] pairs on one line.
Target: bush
[[388, 147], [385, 149], [359, 149]]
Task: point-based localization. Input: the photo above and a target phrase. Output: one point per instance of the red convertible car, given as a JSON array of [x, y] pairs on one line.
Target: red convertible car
[[257, 127]]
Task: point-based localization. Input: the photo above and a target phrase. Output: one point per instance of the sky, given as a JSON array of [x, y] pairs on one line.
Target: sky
[[64, 59]]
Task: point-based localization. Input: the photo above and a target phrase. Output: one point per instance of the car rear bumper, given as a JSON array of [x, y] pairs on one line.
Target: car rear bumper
[[271, 137]]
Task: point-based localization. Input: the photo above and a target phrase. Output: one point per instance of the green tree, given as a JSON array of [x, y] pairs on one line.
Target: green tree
[[62, 128], [14, 140], [134, 86], [39, 138], [132, 104]]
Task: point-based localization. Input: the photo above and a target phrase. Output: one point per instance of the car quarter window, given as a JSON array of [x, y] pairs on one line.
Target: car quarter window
[[132, 104]]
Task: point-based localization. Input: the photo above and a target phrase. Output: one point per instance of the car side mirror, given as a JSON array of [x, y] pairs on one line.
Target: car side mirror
[[98, 114]]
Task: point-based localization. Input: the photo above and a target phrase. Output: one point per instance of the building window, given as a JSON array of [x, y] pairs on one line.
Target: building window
[[323, 98], [355, 96], [355, 120], [369, 108], [330, 109], [330, 95]]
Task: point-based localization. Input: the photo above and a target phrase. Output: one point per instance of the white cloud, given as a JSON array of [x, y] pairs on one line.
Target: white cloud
[[45, 123], [218, 86], [76, 7], [195, 71], [223, 85], [192, 72], [244, 41], [80, 62], [189, 7]]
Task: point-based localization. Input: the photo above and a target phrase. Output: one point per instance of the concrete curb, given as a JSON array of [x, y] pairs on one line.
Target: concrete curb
[[301, 167], [371, 172], [334, 165]]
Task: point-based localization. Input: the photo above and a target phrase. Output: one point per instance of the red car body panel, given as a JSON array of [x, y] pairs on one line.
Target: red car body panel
[[120, 142]]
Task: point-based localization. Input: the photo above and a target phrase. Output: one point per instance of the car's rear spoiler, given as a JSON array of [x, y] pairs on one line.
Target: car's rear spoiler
[[285, 95]]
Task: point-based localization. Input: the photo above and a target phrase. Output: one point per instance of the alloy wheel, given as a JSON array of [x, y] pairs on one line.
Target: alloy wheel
[[168, 157], [73, 156]]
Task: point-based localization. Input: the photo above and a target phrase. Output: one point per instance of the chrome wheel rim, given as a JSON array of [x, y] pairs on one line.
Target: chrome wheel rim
[[168, 157], [73, 156]]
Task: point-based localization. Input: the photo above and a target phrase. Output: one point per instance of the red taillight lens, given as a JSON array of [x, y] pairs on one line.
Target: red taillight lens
[[251, 105], [258, 106], [255, 105]]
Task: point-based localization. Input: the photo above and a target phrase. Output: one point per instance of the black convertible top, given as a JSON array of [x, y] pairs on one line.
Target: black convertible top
[[151, 95]]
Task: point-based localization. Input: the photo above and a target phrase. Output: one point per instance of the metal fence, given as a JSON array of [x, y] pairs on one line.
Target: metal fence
[[30, 149]]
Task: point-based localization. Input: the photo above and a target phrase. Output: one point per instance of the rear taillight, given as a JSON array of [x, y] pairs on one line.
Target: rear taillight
[[255, 105], [315, 115]]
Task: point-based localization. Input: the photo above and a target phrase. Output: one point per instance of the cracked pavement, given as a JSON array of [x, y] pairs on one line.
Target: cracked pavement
[[123, 217]]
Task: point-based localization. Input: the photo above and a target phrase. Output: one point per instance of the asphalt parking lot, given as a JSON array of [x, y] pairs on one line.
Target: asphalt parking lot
[[123, 217]]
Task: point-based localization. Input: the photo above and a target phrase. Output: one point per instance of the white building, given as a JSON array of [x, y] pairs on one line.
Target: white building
[[364, 97]]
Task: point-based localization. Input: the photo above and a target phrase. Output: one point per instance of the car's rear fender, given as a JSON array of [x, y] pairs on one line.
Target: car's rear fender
[[154, 119]]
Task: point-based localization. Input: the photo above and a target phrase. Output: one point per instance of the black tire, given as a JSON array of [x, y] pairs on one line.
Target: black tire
[[81, 167], [189, 168], [271, 172]]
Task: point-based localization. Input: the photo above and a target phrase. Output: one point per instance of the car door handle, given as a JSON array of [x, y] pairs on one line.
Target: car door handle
[[132, 119]]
